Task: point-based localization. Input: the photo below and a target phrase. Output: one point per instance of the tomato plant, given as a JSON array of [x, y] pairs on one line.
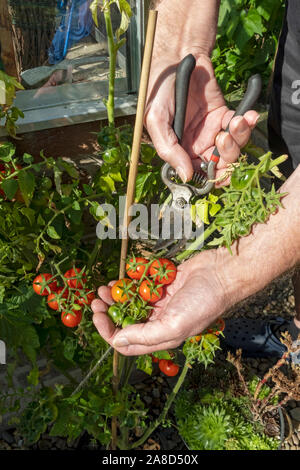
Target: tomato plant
[[45, 205]]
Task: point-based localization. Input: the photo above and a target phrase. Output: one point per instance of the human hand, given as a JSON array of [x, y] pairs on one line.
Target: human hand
[[192, 302], [207, 117]]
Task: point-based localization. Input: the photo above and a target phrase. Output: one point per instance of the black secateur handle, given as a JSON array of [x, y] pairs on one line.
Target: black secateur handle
[[183, 76]]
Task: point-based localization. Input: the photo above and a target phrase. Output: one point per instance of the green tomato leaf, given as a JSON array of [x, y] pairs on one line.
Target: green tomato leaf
[[53, 233], [7, 150], [94, 9], [27, 185], [144, 363], [126, 14], [29, 213], [27, 158], [10, 187]]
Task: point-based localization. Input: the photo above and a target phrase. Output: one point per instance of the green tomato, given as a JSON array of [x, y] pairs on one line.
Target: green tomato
[[46, 183], [111, 155], [115, 314], [128, 321], [41, 199], [241, 229], [240, 179]]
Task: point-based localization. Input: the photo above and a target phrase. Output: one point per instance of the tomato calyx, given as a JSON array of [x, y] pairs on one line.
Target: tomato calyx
[[150, 292], [163, 271], [85, 298], [75, 278], [56, 300], [44, 284], [71, 318], [137, 267], [123, 290]]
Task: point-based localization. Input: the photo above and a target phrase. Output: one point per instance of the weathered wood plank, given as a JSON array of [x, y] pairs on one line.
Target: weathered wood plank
[[8, 55]]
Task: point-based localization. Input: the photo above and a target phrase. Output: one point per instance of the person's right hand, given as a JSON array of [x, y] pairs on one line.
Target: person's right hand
[[206, 118], [197, 297]]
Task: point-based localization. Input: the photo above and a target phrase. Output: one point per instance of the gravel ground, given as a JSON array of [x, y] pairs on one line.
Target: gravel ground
[[276, 300]]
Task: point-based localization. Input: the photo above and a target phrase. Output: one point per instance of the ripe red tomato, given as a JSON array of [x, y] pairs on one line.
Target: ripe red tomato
[[136, 267], [72, 282], [43, 278], [163, 271], [71, 319], [53, 300], [85, 299], [150, 292], [168, 367], [120, 291]]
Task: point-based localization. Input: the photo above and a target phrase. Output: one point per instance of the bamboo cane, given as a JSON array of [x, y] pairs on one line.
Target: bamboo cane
[[135, 153]]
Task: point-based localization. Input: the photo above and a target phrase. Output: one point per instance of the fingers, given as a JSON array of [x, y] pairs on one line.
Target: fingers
[[159, 120], [104, 293], [136, 339], [145, 338], [230, 143], [168, 148], [103, 323]]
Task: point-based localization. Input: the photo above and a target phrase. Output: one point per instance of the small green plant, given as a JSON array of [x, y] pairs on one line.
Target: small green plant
[[217, 420]]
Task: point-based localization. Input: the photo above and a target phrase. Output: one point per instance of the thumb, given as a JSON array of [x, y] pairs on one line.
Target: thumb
[[147, 334]]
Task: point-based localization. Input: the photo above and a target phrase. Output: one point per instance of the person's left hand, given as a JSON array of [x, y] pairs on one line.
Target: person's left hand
[[192, 302]]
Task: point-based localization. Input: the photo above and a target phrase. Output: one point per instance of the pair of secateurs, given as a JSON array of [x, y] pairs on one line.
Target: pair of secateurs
[[183, 193]]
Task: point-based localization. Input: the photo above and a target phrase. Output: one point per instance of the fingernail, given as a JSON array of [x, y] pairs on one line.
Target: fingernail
[[181, 173], [121, 341], [227, 143], [241, 125]]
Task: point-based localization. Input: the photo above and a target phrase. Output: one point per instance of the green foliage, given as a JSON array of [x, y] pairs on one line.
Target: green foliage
[[203, 351], [218, 421], [247, 38], [243, 203], [8, 112]]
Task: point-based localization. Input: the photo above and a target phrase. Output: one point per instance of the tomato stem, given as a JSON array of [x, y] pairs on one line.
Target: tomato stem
[[165, 410]]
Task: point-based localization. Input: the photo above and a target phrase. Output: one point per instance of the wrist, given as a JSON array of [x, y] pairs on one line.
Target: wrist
[[185, 27]]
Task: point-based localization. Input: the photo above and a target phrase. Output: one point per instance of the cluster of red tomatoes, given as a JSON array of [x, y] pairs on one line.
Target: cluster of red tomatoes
[[70, 298], [136, 295]]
